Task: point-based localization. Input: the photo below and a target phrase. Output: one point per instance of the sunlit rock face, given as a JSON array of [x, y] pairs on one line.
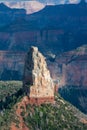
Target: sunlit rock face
[[36, 5], [29, 6], [37, 81]]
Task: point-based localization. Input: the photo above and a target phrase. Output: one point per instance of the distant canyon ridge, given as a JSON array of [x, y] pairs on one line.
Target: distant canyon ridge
[[56, 30], [34, 6]]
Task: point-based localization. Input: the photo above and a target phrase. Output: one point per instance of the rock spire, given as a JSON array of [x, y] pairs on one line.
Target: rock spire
[[37, 81]]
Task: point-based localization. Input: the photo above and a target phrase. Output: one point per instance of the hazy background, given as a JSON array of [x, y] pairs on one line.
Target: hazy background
[[35, 5]]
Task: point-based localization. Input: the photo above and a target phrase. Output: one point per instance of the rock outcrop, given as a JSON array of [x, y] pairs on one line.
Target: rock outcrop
[[37, 81]]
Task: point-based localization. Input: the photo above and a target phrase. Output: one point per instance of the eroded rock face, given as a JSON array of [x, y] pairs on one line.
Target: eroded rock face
[[37, 81], [70, 68]]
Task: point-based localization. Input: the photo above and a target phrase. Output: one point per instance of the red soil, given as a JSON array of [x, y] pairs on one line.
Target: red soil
[[22, 107]]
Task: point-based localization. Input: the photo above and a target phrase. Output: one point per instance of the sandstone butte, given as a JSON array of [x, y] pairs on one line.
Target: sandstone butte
[[37, 82]]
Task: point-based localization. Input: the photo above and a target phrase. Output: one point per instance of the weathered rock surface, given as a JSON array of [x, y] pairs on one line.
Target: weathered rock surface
[[37, 81]]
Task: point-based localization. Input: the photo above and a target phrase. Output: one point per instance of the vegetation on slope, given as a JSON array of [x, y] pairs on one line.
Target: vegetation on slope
[[76, 95], [58, 116], [8, 88], [10, 91]]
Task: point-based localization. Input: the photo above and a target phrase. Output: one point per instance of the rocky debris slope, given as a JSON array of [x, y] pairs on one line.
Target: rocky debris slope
[[37, 81]]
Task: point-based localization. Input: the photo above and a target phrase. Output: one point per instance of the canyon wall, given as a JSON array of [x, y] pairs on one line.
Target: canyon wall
[[11, 65], [69, 68]]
